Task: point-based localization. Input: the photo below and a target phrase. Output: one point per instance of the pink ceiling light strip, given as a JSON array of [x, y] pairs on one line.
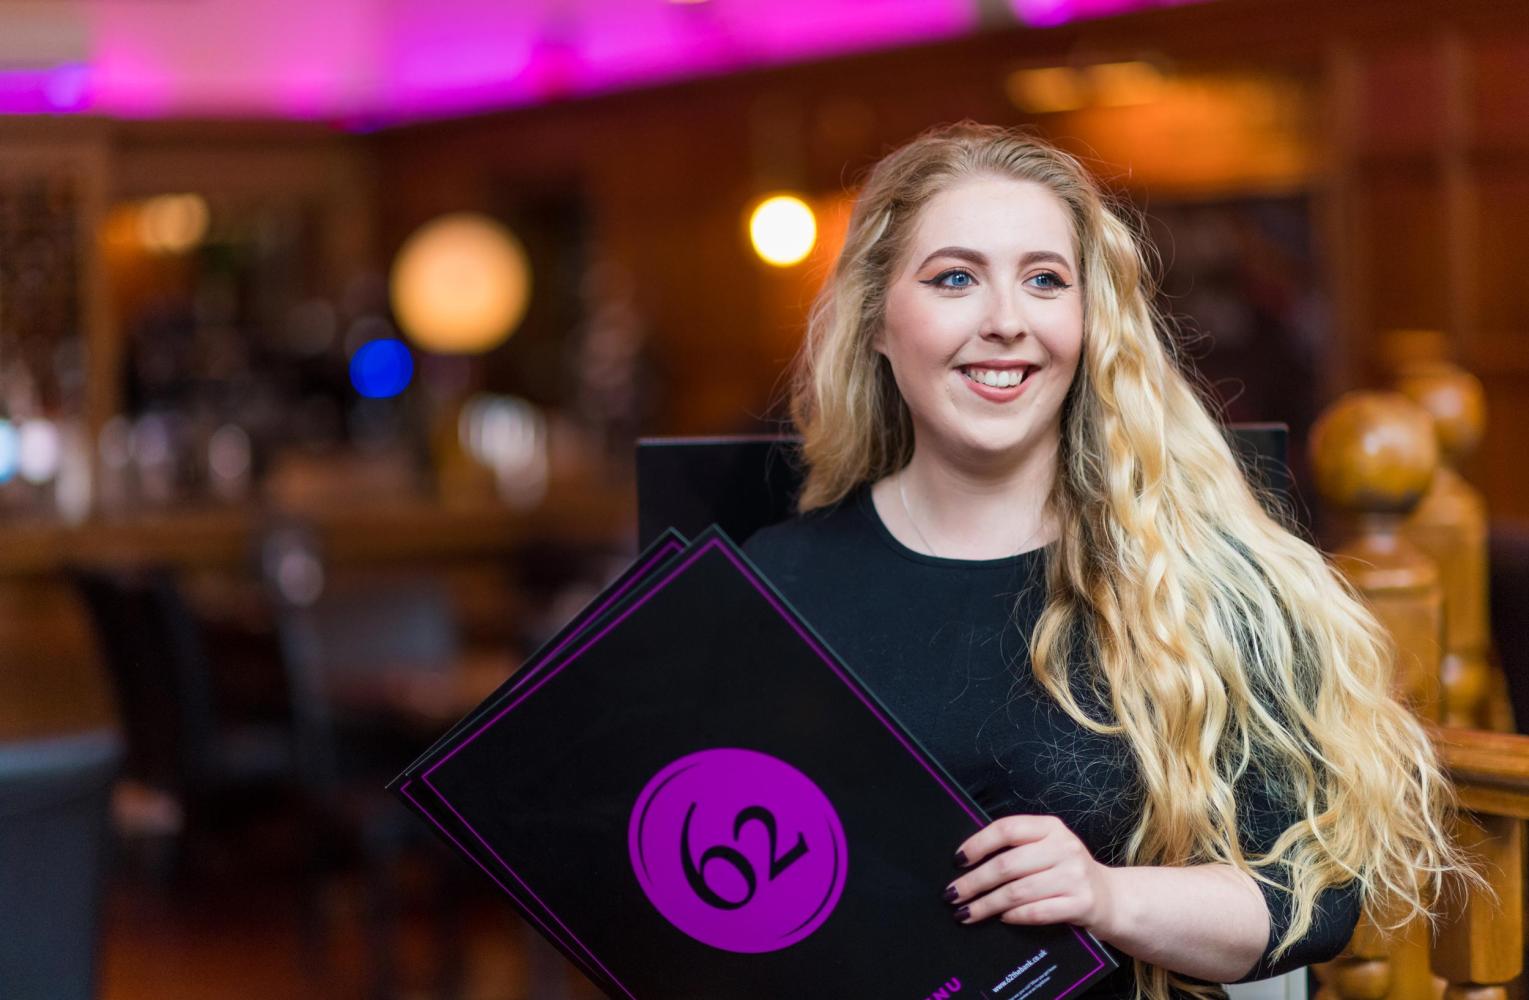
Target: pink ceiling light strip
[[369, 62], [1047, 13]]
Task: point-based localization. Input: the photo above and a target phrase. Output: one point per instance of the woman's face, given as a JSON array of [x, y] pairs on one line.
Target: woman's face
[[984, 320]]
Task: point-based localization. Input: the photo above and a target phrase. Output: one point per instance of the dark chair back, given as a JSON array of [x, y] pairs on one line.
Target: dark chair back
[[53, 808], [336, 633], [151, 645]]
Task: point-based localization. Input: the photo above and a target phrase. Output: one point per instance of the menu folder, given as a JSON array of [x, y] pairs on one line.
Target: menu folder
[[696, 798]]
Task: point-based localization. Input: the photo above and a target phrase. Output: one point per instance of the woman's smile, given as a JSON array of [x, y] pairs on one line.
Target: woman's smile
[[997, 384]]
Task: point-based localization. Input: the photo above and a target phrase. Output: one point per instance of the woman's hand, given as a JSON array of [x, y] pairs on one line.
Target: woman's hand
[[1033, 870], [1207, 921]]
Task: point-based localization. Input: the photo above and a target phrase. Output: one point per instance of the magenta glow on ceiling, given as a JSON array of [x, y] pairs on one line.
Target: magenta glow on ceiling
[[371, 62]]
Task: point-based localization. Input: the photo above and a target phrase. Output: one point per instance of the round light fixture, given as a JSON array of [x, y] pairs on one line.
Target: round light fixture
[[173, 223], [783, 230], [460, 284], [381, 369]]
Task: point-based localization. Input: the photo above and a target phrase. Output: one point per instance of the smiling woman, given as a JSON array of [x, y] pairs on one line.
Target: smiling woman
[[1029, 536]]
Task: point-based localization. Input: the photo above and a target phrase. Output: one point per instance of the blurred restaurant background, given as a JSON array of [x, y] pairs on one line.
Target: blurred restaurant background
[[327, 331]]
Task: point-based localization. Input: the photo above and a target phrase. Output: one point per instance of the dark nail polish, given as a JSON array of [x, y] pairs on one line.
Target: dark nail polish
[[961, 858], [962, 914], [951, 894]]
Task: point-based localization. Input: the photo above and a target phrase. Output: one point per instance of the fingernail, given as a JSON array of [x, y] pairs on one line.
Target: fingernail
[[962, 914], [951, 894], [961, 858]]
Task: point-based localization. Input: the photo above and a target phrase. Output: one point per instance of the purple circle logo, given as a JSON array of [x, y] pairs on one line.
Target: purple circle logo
[[738, 849]]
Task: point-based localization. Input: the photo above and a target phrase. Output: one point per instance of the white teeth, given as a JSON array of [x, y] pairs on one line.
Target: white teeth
[[996, 378]]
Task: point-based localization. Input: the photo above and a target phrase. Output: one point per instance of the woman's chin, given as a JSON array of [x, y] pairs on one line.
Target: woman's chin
[[994, 450]]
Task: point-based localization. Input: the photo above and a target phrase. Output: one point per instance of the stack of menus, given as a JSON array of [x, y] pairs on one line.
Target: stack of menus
[[691, 796]]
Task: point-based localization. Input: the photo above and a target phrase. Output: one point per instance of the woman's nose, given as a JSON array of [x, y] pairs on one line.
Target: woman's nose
[[1005, 319]]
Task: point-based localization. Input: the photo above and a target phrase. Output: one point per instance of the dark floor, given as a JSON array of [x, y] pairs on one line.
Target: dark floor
[[246, 941]]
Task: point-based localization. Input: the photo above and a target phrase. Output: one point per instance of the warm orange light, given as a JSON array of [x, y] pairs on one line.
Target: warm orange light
[[1206, 133], [783, 230], [173, 223], [1047, 90], [1122, 84], [460, 284]]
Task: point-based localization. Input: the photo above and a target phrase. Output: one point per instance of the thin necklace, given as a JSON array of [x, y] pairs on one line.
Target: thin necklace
[[907, 510], [903, 496]]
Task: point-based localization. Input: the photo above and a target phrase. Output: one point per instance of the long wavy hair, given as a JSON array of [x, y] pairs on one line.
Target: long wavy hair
[[1224, 646]]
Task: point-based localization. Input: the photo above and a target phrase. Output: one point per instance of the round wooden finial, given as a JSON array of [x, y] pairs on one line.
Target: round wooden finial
[[1373, 453], [1456, 401], [1362, 978]]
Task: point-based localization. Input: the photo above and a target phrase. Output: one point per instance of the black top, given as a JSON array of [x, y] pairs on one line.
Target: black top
[[944, 644]]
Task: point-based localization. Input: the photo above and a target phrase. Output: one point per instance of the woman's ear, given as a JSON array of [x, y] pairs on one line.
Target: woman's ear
[[879, 341]]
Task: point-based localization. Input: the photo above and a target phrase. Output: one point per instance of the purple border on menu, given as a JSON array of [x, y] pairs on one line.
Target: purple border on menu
[[404, 791], [811, 642]]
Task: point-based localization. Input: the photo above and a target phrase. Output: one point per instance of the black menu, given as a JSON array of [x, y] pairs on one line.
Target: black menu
[[692, 796]]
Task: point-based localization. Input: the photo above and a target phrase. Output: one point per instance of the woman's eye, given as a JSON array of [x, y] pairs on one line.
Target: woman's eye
[[1051, 281], [955, 276]]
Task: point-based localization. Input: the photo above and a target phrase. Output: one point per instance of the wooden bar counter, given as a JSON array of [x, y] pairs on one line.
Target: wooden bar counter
[[50, 680]]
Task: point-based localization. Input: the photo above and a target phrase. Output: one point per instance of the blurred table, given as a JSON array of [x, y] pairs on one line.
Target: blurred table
[[424, 701]]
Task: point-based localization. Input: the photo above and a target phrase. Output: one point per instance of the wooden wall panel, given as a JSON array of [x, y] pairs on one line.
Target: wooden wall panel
[[1402, 98], [1498, 95], [678, 225], [1498, 468], [1402, 236], [1502, 221]]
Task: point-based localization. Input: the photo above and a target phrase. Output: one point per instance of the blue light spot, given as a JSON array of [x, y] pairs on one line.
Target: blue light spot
[[381, 368], [10, 451]]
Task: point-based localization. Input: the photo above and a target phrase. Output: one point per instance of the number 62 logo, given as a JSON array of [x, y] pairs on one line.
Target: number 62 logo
[[738, 849]]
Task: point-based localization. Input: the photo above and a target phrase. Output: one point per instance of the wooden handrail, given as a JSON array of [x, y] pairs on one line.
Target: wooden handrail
[[1491, 770]]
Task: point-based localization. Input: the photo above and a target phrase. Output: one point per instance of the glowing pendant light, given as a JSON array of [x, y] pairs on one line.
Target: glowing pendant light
[[460, 284]]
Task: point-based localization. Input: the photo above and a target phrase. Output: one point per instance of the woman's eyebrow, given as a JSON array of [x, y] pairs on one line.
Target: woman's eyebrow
[[978, 258]]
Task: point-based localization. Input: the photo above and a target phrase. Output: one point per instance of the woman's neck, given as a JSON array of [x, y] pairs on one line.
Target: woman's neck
[[958, 511]]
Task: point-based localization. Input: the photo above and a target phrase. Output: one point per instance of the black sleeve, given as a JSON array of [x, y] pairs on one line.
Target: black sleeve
[[1262, 817]]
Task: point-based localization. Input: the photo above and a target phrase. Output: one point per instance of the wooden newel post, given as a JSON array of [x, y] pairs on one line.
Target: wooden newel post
[[1480, 947], [1374, 456], [1450, 524]]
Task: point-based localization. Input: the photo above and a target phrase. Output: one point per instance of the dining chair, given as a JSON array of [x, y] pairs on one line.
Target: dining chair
[[54, 795]]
